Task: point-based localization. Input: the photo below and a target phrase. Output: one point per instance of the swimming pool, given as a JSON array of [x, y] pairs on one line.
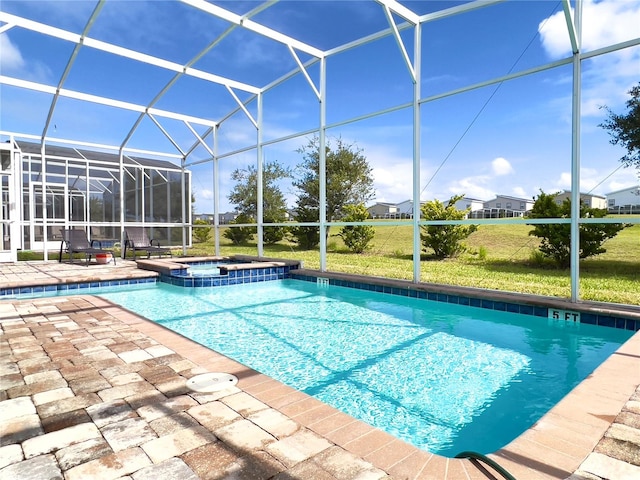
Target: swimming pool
[[443, 377]]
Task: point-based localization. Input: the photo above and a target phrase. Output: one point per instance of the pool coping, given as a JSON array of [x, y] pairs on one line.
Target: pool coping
[[595, 313], [553, 448]]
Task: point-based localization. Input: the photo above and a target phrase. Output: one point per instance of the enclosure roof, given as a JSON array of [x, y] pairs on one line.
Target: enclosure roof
[[82, 154], [160, 77], [107, 72]]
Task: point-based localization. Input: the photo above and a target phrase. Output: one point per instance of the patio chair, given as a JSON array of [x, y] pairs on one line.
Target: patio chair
[[76, 241], [137, 239]]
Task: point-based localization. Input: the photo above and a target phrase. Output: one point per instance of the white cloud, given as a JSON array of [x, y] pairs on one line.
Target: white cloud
[[11, 59], [595, 181], [604, 23], [519, 192], [606, 78], [501, 166], [474, 187], [205, 194]]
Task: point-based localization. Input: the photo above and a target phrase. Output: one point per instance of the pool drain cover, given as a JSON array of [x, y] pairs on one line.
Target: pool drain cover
[[211, 382]]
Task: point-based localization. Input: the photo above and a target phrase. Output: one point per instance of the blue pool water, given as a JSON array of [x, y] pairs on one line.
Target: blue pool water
[[204, 270], [443, 377]]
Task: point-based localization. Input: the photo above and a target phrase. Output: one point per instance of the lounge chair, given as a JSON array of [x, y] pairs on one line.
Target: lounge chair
[[76, 241], [137, 239]]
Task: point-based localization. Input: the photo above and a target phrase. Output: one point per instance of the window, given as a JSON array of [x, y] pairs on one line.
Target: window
[[612, 202], [508, 204], [522, 206], [498, 204]]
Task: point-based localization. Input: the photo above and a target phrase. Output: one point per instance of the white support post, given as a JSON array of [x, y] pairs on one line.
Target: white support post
[[183, 198], [416, 152], [216, 192], [122, 194], [44, 201], [259, 181], [575, 158], [322, 168]]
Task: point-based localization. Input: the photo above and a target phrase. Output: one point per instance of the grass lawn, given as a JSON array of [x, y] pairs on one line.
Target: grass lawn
[[499, 257]]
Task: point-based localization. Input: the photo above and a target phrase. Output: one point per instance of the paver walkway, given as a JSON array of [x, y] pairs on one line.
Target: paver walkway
[[89, 390], [84, 395]]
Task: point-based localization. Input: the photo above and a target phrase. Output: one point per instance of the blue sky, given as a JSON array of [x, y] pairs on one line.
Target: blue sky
[[512, 139]]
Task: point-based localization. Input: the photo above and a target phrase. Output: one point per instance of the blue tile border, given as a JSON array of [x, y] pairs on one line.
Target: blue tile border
[[524, 309], [233, 277], [74, 288]]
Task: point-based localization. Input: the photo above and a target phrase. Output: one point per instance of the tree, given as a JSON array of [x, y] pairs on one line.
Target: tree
[[356, 237], [245, 196], [349, 179], [240, 235], [444, 240], [625, 129], [556, 239]]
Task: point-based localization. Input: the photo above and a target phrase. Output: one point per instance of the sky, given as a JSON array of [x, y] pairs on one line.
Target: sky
[[511, 138]]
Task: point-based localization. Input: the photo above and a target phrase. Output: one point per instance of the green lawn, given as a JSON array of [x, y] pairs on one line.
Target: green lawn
[[499, 257]]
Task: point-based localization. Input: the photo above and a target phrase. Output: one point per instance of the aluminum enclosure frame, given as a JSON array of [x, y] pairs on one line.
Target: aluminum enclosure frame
[[393, 10]]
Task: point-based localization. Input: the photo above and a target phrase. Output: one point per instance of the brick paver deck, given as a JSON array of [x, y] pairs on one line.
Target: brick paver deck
[[90, 390]]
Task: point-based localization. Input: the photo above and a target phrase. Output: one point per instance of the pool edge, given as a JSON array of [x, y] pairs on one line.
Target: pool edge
[[587, 409]]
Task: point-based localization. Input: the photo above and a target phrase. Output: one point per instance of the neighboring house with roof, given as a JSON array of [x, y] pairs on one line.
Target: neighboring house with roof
[[472, 204], [626, 200], [507, 206], [207, 217], [383, 210], [405, 209], [587, 199]]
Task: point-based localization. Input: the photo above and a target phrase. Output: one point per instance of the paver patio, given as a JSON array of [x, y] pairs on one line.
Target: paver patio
[[90, 390]]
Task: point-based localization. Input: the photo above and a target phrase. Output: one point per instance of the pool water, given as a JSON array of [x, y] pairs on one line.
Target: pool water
[[204, 270], [443, 377]]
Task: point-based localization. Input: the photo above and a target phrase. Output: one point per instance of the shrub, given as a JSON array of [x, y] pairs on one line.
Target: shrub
[[357, 238], [306, 237], [556, 239], [240, 235], [444, 240], [272, 235], [201, 234]]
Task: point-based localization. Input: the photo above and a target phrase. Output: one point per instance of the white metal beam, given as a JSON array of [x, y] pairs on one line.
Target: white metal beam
[[101, 100], [449, 12], [243, 107], [575, 155], [124, 52], [404, 12], [6, 27], [571, 27], [199, 139], [67, 69], [403, 50], [89, 144], [254, 26], [166, 134], [304, 71]]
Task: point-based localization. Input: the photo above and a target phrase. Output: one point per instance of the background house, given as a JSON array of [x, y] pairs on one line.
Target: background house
[[383, 210], [405, 209], [504, 206], [472, 204], [626, 200], [590, 200]]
